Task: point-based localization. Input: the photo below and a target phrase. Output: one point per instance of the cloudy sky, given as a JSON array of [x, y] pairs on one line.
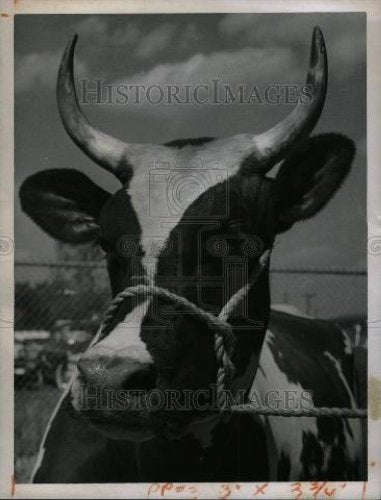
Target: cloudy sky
[[189, 49]]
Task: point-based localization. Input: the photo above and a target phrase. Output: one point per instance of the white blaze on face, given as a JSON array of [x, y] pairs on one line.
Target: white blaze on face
[[166, 181]]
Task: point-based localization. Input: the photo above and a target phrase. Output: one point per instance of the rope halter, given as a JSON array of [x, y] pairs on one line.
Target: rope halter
[[224, 342]]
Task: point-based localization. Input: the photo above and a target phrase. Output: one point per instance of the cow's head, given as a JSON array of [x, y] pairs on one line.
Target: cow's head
[[191, 216]]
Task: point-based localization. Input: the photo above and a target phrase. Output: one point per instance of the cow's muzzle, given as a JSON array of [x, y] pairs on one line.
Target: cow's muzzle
[[110, 392]]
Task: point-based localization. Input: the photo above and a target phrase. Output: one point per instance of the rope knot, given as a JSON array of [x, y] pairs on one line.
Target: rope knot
[[224, 339]]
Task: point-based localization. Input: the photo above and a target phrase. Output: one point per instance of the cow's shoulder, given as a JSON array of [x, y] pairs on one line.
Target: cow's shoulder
[[310, 351], [299, 328], [303, 356]]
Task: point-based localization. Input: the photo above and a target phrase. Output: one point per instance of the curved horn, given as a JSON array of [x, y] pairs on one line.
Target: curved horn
[[271, 146], [106, 151]]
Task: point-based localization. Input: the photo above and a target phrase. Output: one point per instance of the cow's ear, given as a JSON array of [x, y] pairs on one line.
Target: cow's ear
[[64, 203], [310, 176]]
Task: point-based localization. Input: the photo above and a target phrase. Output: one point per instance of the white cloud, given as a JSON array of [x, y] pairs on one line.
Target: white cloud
[[97, 30], [265, 31], [189, 35], [100, 32], [233, 24], [128, 35], [93, 26], [40, 69], [241, 66], [156, 40], [344, 34], [247, 67]]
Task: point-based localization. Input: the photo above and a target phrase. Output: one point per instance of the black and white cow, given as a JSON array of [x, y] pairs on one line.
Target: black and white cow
[[155, 346]]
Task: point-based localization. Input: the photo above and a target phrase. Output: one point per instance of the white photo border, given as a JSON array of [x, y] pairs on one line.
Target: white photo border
[[8, 9]]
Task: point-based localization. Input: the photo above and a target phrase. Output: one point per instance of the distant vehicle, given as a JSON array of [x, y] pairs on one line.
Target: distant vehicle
[[61, 353], [48, 357], [28, 369], [38, 335]]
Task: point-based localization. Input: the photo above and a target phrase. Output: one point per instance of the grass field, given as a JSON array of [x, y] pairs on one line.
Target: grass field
[[32, 412]]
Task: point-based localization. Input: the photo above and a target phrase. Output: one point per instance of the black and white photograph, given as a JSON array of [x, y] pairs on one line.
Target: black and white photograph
[[190, 254]]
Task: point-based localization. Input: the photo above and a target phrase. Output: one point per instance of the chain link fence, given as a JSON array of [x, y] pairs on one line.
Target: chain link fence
[[59, 306]]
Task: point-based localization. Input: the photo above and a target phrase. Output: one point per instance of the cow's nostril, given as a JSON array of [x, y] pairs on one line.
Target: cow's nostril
[[141, 379], [117, 372], [91, 370]]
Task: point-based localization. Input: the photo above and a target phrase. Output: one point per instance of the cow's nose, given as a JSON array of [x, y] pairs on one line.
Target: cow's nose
[[117, 372]]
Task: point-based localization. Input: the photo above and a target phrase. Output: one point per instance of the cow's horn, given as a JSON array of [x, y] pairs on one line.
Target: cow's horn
[[106, 151], [270, 147]]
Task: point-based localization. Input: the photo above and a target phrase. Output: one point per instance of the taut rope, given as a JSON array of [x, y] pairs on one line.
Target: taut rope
[[224, 342]]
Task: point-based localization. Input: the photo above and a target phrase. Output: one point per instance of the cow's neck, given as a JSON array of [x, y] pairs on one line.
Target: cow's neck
[[186, 459]]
